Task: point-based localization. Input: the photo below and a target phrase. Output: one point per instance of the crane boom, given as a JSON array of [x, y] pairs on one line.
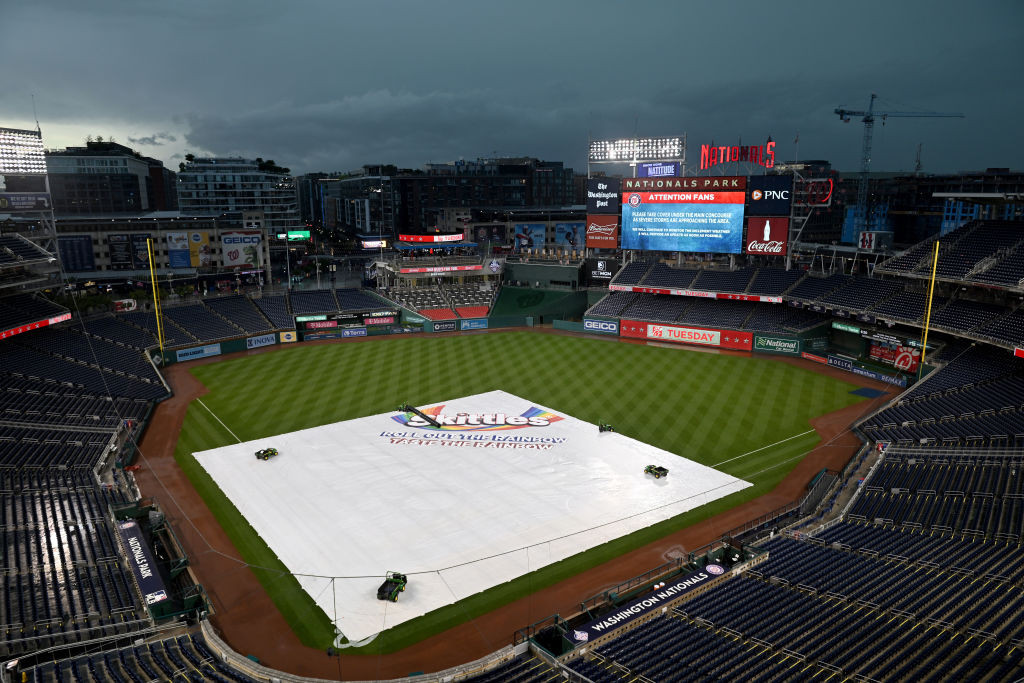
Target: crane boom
[[868, 117]]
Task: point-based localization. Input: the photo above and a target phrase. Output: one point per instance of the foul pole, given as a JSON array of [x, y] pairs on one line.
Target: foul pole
[[928, 310], [156, 298]]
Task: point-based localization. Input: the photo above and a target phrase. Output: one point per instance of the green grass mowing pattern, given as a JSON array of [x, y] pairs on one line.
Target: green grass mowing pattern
[[707, 407]]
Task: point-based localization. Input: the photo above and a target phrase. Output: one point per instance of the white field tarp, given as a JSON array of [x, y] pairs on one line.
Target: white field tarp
[[459, 509]]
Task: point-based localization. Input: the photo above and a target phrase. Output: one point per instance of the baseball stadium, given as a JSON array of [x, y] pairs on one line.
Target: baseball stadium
[[554, 462]]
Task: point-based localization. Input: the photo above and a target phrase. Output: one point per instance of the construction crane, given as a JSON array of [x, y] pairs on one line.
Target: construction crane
[[869, 127]]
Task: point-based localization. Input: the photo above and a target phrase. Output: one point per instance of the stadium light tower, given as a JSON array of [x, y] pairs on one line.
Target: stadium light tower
[[635, 150]]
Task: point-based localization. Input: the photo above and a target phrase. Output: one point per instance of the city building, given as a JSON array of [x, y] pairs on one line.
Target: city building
[[105, 177], [384, 199], [214, 186]]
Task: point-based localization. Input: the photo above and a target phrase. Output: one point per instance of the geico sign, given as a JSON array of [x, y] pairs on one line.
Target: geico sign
[[601, 325], [243, 239]]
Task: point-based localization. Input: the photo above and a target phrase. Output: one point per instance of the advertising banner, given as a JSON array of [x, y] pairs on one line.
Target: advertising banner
[[603, 232], [142, 561], [444, 326], [432, 238], [474, 324], [24, 201], [570, 235], [726, 339], [646, 604], [140, 251], [599, 271], [528, 236], [261, 340], [441, 269], [903, 358], [495, 234], [38, 324], [76, 253], [769, 195], [699, 293], [353, 332], [242, 248], [375, 244], [120, 247], [710, 222], [177, 250], [200, 254], [603, 195], [658, 169], [767, 236], [125, 305], [600, 326], [198, 352], [1018, 352], [321, 324], [288, 337], [790, 347], [813, 357], [378, 320]]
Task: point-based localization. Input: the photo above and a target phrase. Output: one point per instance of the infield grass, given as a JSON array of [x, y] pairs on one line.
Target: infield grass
[[747, 416]]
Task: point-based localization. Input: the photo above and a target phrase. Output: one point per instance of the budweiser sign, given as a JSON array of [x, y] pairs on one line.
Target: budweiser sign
[[767, 235], [603, 231]]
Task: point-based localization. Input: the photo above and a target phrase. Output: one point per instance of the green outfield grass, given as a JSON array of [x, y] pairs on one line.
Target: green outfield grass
[[749, 413]]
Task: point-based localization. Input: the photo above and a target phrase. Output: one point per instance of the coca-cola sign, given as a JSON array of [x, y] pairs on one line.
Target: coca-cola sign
[[767, 235]]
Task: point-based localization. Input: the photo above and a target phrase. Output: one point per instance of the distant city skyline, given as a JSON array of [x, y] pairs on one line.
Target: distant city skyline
[[319, 85]]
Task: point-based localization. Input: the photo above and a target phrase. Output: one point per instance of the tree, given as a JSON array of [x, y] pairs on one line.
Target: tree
[[190, 157]]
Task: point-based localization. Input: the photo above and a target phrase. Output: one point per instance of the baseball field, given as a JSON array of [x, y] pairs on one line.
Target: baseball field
[[747, 417]]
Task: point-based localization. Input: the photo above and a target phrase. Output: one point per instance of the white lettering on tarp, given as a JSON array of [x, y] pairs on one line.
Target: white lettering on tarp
[[140, 557]]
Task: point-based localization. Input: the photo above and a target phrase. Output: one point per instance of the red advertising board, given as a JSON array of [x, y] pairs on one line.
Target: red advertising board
[[1018, 352], [905, 358], [767, 235], [432, 239], [687, 197], [602, 231], [816, 359], [440, 269], [11, 331], [321, 324], [697, 293], [725, 339]]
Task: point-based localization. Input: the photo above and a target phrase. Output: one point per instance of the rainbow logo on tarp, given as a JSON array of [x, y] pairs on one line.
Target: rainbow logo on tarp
[[467, 422]]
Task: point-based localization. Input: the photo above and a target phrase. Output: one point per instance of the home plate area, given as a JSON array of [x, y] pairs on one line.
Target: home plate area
[[501, 488]]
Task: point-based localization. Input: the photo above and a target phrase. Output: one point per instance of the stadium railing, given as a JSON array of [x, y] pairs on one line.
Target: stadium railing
[[256, 670]]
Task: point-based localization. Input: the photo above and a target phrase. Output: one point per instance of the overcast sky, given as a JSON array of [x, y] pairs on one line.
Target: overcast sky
[[328, 85]]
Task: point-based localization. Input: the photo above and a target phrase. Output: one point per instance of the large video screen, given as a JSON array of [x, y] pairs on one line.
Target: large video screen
[[709, 221]]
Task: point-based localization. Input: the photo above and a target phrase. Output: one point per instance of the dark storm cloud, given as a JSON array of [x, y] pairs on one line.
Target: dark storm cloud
[[154, 140], [325, 85]]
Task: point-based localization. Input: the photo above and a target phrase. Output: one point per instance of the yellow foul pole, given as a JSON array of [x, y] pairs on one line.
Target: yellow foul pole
[[156, 297], [928, 310]]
